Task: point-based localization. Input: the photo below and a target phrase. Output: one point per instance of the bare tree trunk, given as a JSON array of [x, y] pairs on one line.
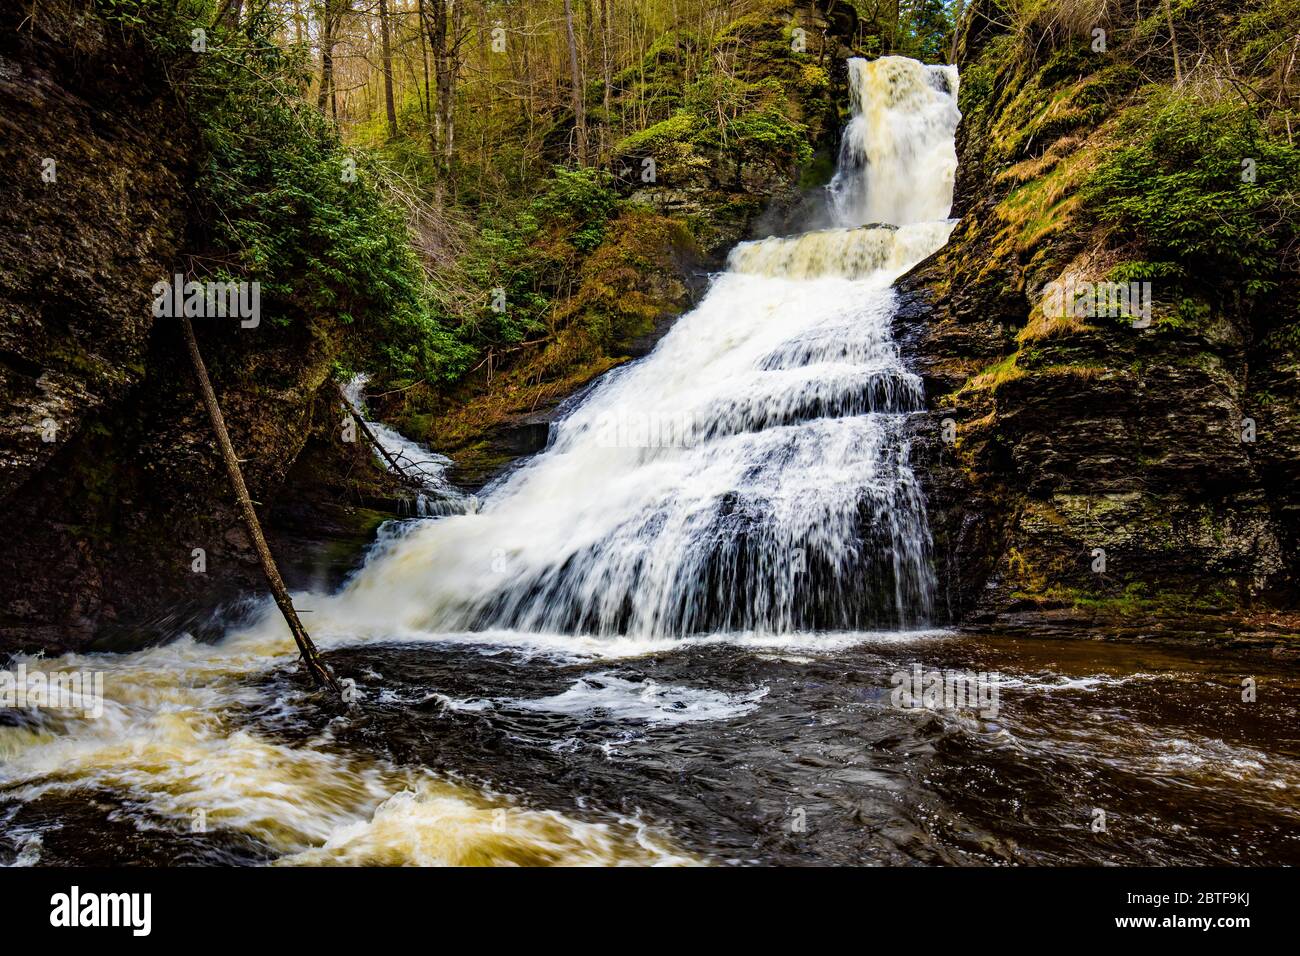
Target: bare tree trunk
[[326, 55], [579, 108], [958, 11], [528, 70], [1178, 67], [587, 46], [609, 85], [370, 437], [424, 56], [439, 33], [311, 659], [453, 69], [388, 69]]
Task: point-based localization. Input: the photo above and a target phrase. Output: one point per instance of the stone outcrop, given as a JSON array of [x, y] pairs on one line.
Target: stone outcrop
[[1091, 472], [109, 478]]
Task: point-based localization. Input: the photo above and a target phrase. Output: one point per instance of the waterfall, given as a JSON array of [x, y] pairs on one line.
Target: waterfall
[[752, 472], [436, 495], [897, 158]]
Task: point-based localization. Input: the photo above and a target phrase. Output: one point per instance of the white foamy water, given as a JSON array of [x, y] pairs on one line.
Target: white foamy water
[[748, 481], [437, 495], [898, 159], [618, 698], [752, 473]]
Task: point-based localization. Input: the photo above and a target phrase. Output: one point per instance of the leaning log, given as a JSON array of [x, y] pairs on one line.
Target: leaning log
[[311, 658]]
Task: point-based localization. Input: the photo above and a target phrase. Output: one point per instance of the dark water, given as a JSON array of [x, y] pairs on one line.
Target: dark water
[[1160, 740], [747, 755]]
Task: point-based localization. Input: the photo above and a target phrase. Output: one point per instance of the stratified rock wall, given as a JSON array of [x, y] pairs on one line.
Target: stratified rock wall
[[1084, 471], [109, 476]]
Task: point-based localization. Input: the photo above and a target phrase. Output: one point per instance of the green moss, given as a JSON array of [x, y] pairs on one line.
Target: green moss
[[995, 375], [1044, 205], [678, 128], [1136, 600], [630, 282]]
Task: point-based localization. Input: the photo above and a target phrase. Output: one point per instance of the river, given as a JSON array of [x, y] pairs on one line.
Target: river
[[682, 634]]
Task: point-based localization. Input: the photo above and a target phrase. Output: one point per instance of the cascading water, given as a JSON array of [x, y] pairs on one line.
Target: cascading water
[[897, 159], [751, 473], [436, 495]]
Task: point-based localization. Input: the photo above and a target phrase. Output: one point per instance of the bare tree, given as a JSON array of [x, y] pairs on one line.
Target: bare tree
[[444, 38], [606, 71], [328, 24], [388, 69], [579, 106], [311, 658], [1173, 39], [424, 57]]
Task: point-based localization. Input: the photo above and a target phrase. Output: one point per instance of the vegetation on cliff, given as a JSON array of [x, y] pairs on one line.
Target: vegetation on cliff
[[1123, 460]]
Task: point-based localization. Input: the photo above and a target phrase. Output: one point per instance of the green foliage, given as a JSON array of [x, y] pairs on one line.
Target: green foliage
[[925, 31], [921, 29], [1263, 33], [533, 256], [1140, 271], [678, 128], [281, 202], [1182, 187], [725, 123], [578, 198], [767, 134], [711, 109]]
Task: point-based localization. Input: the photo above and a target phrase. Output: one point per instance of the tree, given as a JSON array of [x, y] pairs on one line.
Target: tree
[[327, 27], [311, 658], [579, 106], [388, 69]]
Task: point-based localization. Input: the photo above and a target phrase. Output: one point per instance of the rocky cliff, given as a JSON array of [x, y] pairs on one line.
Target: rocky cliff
[[1092, 467], [109, 477]]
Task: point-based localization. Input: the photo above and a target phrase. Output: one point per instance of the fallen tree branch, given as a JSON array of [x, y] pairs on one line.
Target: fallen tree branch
[[370, 437], [311, 658]]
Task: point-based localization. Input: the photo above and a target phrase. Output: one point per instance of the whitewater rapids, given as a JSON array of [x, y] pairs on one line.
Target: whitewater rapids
[[749, 480]]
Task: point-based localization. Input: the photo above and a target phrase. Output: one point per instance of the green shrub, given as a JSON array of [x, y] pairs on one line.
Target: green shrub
[[278, 200], [1183, 189], [534, 255]]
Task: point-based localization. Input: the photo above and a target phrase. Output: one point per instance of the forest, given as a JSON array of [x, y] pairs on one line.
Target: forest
[[857, 433]]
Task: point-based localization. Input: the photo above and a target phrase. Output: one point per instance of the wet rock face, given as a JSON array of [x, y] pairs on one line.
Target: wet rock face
[[120, 523], [1107, 492], [1094, 472], [92, 215]]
